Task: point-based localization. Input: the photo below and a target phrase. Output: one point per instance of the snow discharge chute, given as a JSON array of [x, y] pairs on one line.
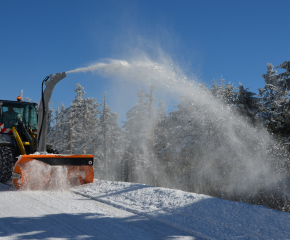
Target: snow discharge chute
[[38, 165]]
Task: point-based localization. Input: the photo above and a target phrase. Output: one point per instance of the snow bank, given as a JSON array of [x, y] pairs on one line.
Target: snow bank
[[207, 217]]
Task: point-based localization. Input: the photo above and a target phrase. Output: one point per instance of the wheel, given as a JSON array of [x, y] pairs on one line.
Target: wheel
[[6, 164], [51, 150]]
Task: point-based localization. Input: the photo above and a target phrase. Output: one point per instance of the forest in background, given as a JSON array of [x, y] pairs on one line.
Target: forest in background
[[187, 148]]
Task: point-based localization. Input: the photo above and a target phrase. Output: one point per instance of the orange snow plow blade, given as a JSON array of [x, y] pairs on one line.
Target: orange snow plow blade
[[41, 172]]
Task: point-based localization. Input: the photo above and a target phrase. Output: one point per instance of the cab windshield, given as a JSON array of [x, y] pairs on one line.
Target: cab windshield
[[12, 113]]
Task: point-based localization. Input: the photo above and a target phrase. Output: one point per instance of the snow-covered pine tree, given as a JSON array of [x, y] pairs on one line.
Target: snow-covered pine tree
[[110, 146], [178, 138], [139, 159], [75, 127], [52, 134], [246, 104], [161, 112], [50, 120], [65, 127], [21, 95], [190, 144], [83, 122], [58, 133], [275, 99], [241, 99], [224, 92]]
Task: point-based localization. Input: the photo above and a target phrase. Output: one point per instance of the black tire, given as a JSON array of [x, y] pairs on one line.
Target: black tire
[[51, 150], [6, 164]]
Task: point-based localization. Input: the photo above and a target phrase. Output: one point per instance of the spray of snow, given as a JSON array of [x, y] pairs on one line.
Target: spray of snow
[[138, 71], [41, 176], [251, 167]]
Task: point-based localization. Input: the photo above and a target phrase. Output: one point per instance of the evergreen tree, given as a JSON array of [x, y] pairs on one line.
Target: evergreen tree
[[246, 104], [241, 99], [139, 156], [161, 112], [52, 136], [275, 99], [75, 128], [49, 120], [178, 138], [224, 92], [83, 115], [111, 143]]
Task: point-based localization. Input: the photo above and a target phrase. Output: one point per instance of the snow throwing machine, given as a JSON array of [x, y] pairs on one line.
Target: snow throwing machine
[[25, 156]]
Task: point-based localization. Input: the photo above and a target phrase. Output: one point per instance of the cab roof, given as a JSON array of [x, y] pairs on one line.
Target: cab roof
[[17, 102]]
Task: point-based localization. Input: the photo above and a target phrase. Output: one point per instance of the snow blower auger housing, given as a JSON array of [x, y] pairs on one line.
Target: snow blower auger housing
[[24, 154]]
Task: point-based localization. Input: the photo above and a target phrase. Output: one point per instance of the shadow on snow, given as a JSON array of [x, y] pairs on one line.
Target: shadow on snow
[[87, 226]]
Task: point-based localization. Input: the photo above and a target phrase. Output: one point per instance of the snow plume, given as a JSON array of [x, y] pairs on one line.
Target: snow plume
[[99, 66], [212, 150], [142, 70], [40, 176]]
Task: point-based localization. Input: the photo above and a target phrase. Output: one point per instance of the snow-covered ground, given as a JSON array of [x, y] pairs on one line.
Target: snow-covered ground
[[117, 210]]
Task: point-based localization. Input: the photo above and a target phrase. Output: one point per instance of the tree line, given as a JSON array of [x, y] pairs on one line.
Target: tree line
[[190, 148]]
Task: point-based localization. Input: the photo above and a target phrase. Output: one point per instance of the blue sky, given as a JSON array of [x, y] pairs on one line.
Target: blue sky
[[235, 39]]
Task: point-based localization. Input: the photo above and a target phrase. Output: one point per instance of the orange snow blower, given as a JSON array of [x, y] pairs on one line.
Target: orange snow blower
[[52, 171], [24, 154]]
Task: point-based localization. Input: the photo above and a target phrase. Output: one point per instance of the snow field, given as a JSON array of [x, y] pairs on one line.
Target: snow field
[[119, 210], [63, 214], [204, 216]]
